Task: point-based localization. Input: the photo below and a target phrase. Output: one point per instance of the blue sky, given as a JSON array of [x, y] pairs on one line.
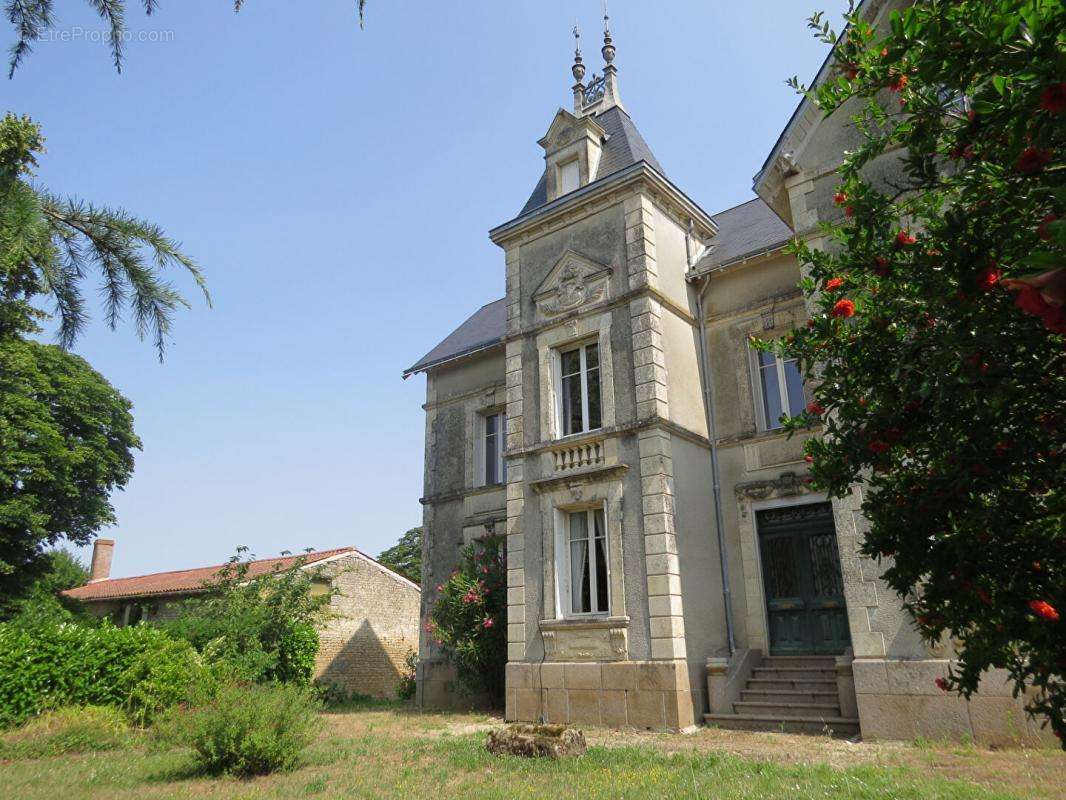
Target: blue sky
[[337, 187]]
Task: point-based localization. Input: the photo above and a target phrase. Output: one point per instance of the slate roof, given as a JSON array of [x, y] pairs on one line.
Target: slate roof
[[484, 328], [624, 148], [744, 230], [188, 581]]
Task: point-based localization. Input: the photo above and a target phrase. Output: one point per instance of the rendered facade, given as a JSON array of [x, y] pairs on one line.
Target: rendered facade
[[668, 562], [373, 622]]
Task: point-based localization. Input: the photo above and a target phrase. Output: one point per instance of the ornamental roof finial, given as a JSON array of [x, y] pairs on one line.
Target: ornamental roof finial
[[579, 68], [608, 45]]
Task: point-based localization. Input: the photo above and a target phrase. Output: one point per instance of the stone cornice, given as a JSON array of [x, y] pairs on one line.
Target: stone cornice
[[640, 177]]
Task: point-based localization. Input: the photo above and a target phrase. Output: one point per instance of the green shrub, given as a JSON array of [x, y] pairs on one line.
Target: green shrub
[[246, 729], [140, 669], [74, 729], [405, 689], [264, 626], [469, 618]]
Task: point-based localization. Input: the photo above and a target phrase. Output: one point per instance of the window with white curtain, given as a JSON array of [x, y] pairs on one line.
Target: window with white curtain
[[493, 468], [578, 375], [780, 388], [585, 562]]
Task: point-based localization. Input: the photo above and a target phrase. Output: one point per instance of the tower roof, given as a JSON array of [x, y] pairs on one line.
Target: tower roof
[[623, 147]]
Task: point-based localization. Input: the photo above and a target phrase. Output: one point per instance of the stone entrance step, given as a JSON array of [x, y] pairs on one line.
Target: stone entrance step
[[793, 674], [811, 662], [772, 685], [788, 696], [831, 726], [760, 709]]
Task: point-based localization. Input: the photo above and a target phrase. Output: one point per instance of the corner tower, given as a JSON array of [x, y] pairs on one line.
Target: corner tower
[[598, 316]]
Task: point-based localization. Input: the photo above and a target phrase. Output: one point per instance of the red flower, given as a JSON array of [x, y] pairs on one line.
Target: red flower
[[840, 198], [1053, 98], [882, 266], [844, 308], [810, 323], [1044, 610], [1033, 159], [809, 459], [1042, 230], [988, 279], [899, 83], [1031, 301], [852, 73], [849, 211], [833, 283], [942, 684], [815, 409], [878, 446], [489, 622], [905, 239]]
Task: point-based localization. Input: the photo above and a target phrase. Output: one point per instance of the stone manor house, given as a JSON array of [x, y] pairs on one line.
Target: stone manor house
[[668, 562]]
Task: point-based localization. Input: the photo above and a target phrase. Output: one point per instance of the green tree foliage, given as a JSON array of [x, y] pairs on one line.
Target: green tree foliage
[[66, 435], [32, 19], [42, 602], [469, 619], [49, 244], [405, 557], [265, 627], [938, 387], [66, 442]]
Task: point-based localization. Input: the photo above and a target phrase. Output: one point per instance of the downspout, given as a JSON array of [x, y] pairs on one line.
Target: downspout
[[707, 381]]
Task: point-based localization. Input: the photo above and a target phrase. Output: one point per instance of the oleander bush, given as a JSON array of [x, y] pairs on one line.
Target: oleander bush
[[245, 729], [74, 729], [469, 619], [139, 669]]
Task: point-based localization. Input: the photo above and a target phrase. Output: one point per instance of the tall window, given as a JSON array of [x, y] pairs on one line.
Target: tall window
[[781, 387], [579, 390], [494, 468], [588, 561], [569, 177]]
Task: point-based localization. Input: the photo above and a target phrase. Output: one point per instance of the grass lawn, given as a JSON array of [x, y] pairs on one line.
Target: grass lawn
[[389, 752]]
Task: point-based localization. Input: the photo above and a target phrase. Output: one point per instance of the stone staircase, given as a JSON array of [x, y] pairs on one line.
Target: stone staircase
[[790, 694]]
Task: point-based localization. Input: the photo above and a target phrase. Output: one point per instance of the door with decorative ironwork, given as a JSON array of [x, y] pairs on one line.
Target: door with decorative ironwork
[[801, 577]]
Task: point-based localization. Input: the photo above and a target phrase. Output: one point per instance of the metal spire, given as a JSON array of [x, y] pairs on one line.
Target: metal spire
[[578, 68], [608, 46]]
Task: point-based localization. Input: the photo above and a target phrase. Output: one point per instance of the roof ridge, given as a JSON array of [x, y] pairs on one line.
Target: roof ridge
[[220, 566]]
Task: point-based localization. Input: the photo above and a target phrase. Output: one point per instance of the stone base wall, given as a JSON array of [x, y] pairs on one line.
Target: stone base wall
[[637, 694], [438, 689], [900, 700]]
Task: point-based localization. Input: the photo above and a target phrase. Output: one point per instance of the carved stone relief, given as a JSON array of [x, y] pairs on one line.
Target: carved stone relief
[[575, 281]]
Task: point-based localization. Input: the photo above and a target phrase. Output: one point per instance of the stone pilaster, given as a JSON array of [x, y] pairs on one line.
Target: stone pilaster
[[640, 242], [516, 578], [660, 546]]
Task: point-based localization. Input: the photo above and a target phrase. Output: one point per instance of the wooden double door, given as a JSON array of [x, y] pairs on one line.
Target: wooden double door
[[801, 577]]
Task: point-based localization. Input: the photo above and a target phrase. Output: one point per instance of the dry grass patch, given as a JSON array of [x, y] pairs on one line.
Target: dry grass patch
[[396, 754]]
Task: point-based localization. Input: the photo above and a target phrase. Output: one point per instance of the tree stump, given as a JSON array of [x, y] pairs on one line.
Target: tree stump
[[537, 741]]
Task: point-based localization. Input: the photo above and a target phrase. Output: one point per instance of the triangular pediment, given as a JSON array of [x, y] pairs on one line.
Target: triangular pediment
[[574, 281], [566, 128]]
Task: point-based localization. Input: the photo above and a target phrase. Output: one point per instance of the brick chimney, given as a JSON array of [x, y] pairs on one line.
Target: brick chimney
[[100, 568]]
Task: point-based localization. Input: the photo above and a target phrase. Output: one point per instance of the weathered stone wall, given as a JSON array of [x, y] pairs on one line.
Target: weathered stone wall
[[455, 510], [374, 627]]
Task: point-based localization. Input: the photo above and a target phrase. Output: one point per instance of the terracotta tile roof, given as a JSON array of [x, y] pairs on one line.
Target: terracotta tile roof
[[186, 581]]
